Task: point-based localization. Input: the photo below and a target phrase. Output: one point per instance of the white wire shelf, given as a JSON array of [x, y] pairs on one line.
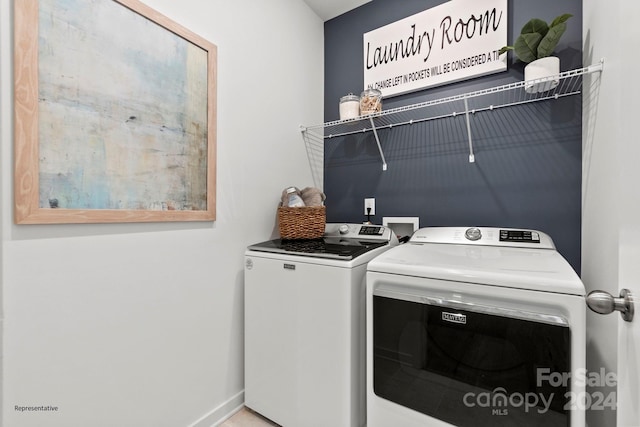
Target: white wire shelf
[[568, 83]]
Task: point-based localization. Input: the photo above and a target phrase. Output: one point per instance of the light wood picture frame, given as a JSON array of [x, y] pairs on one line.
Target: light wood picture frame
[[115, 115]]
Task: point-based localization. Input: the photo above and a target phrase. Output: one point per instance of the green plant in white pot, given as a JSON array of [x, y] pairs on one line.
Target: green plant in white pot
[[534, 46]]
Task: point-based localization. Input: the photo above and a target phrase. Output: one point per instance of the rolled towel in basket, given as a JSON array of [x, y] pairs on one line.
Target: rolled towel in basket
[[312, 196]]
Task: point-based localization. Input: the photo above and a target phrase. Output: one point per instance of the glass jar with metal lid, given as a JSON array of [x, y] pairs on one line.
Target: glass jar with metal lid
[[349, 107], [370, 101]]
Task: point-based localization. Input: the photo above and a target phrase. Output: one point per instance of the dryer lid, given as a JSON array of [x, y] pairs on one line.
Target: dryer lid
[[542, 270]]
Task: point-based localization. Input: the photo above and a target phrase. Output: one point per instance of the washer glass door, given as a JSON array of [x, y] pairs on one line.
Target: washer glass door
[[471, 367]]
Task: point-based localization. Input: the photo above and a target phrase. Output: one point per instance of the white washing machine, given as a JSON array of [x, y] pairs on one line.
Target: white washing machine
[[305, 326], [475, 327]]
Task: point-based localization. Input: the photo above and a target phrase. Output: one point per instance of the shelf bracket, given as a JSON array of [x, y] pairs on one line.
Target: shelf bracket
[[472, 157], [375, 133]]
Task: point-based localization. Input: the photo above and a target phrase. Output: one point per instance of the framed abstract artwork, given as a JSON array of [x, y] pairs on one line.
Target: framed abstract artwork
[[115, 115]]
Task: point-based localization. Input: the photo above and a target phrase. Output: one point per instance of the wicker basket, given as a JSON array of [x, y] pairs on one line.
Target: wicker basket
[[302, 223]]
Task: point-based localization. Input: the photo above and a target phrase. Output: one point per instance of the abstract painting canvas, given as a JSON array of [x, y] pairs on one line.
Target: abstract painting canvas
[[115, 115]]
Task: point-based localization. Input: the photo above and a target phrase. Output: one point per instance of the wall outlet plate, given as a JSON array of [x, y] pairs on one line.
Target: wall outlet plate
[[370, 203]]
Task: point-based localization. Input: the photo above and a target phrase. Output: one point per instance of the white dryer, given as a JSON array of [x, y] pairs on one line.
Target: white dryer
[[475, 327]]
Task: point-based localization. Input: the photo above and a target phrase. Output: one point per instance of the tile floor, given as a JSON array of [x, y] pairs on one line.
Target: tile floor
[[247, 418]]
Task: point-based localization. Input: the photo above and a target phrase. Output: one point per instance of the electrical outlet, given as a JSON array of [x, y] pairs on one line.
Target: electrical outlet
[[370, 203]]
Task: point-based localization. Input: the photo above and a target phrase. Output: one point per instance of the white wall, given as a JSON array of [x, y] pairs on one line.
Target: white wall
[[141, 324], [603, 144]]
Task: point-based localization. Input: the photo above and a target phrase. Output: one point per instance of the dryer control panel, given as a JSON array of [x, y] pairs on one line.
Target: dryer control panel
[[487, 236], [519, 236]]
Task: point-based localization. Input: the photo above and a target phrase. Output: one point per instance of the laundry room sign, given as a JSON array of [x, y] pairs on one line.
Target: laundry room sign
[[455, 41]]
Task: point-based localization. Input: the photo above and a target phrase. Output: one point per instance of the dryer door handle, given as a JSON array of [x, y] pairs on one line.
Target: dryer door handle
[[604, 303], [437, 301]]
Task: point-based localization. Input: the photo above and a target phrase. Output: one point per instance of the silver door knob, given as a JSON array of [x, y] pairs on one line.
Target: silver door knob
[[604, 303]]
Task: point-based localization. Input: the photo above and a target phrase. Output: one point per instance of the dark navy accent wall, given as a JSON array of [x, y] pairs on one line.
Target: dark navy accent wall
[[528, 159]]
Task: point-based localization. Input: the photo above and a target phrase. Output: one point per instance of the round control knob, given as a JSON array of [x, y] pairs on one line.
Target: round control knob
[[473, 234], [343, 229]]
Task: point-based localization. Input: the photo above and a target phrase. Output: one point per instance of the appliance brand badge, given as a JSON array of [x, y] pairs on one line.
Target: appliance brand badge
[[289, 266], [454, 317]]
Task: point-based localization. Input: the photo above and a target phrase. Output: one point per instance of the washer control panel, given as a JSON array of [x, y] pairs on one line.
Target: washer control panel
[[488, 236], [359, 231], [371, 230]]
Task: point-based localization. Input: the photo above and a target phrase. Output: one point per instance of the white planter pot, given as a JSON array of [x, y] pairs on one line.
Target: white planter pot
[[541, 75]]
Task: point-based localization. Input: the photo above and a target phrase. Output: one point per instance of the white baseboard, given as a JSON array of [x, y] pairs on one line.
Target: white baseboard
[[221, 413]]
